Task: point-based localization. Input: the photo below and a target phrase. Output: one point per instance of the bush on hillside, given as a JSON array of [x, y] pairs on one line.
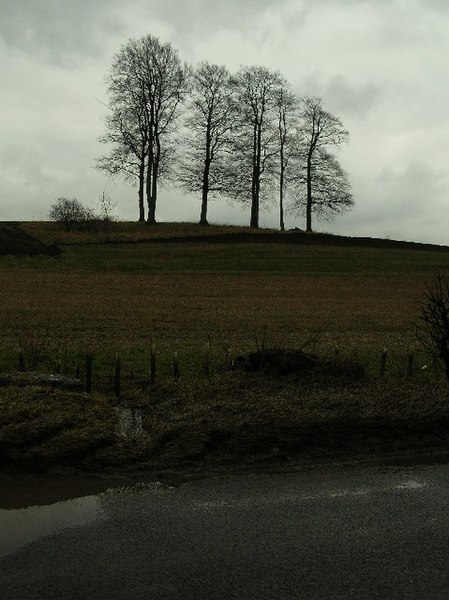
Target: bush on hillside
[[69, 212]]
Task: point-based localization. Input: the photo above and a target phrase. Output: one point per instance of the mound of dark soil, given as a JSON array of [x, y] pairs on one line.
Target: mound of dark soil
[[16, 242], [280, 362]]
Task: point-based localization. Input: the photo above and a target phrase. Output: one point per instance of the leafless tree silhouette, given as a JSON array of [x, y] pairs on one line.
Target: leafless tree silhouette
[[434, 317]]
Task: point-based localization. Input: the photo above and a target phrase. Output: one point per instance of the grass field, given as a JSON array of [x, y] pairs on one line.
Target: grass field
[[115, 297]]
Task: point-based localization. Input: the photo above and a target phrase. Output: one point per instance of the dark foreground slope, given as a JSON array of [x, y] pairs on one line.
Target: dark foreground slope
[[15, 241]]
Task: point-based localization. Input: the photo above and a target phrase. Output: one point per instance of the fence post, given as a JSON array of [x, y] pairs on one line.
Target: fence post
[[58, 364], [435, 365], [206, 359], [410, 360], [152, 362], [176, 371], [117, 374], [89, 369], [21, 362], [229, 358], [383, 362]]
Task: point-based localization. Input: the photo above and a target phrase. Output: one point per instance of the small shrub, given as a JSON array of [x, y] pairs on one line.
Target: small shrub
[[68, 212]]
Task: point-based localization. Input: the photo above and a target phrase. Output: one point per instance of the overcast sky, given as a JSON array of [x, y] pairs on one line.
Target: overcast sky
[[380, 65]]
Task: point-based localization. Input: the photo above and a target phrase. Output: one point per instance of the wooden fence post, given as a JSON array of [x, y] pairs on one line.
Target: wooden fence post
[[383, 362], [117, 375], [176, 371], [152, 362], [89, 370], [58, 364], [22, 362], [206, 359], [229, 358], [435, 365], [410, 361]]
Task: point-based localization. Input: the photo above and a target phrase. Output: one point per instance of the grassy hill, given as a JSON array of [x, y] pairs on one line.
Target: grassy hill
[[345, 301], [127, 232], [106, 297]]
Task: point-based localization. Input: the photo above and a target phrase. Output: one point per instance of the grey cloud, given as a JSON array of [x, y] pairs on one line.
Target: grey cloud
[[409, 190], [407, 202], [356, 99], [203, 17], [343, 96], [56, 31]]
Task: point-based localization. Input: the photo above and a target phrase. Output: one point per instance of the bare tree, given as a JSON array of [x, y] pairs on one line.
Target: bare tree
[[434, 315], [255, 141], [127, 132], [286, 103], [146, 85], [211, 115], [323, 185], [331, 189]]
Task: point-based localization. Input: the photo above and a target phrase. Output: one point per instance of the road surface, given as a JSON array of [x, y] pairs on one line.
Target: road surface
[[330, 532]]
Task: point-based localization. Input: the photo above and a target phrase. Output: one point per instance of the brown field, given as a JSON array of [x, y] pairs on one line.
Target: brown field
[[107, 298]]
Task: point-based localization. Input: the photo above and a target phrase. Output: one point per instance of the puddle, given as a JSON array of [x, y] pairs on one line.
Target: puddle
[[31, 508], [21, 526]]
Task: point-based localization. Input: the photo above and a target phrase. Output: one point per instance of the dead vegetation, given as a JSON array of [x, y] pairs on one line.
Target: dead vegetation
[[345, 304], [229, 418]]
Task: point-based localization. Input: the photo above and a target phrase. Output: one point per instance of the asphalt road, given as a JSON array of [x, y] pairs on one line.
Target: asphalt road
[[323, 533]]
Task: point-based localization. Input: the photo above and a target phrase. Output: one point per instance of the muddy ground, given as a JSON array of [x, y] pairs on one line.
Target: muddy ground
[[232, 420]]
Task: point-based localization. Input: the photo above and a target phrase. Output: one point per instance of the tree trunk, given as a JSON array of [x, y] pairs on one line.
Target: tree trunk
[[149, 191], [254, 221], [309, 195], [255, 188], [205, 193], [152, 208], [281, 191], [151, 219], [206, 173], [281, 212], [151, 170], [156, 158], [142, 191]]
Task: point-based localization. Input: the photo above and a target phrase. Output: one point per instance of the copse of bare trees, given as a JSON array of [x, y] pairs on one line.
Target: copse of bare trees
[[246, 137], [147, 84]]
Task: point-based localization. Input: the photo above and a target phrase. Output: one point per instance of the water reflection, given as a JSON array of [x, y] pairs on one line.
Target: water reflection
[[20, 526]]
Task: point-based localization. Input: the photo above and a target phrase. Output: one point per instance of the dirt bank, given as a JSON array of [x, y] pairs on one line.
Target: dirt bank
[[233, 419]]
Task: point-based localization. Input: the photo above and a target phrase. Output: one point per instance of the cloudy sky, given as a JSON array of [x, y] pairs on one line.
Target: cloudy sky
[[380, 65]]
